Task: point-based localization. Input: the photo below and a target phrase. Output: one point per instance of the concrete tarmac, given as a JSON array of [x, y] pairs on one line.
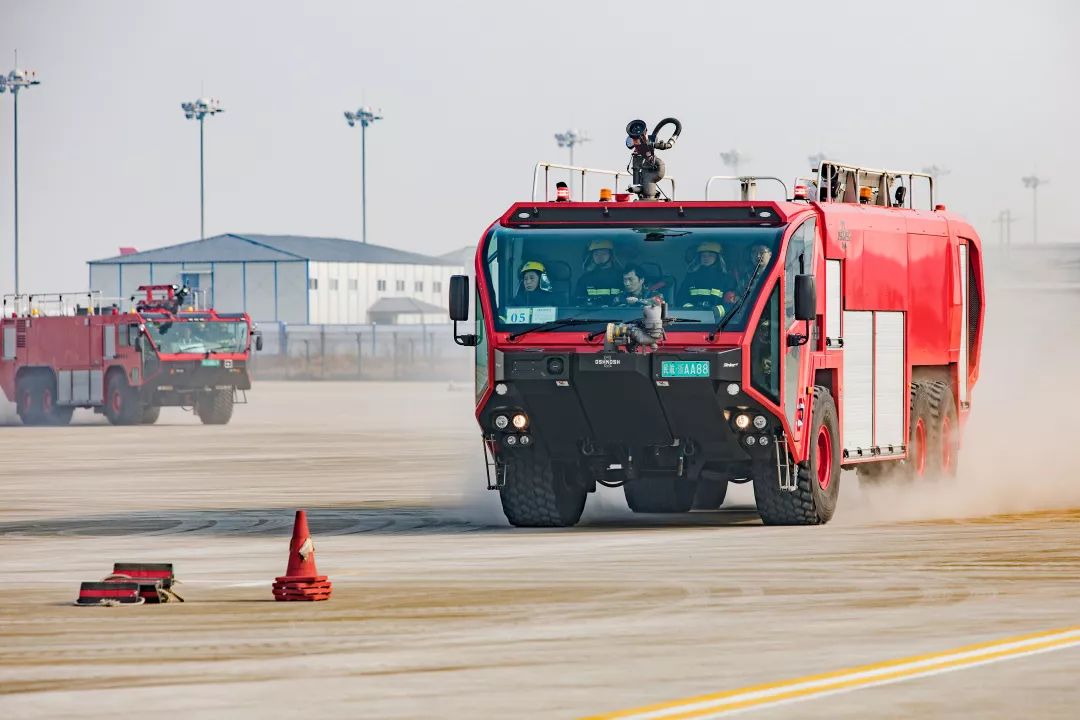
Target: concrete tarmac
[[441, 610]]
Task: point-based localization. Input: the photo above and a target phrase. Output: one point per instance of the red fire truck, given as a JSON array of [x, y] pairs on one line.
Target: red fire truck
[[63, 351], [673, 347]]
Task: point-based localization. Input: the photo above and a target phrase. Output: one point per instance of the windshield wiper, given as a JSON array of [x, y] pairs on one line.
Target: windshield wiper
[[738, 304], [554, 324]]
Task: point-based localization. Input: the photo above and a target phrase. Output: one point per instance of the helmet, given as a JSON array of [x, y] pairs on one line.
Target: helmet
[[601, 245], [533, 265], [710, 246]]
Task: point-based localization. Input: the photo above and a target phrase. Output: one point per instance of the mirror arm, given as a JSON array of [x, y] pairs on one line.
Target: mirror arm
[[464, 340]]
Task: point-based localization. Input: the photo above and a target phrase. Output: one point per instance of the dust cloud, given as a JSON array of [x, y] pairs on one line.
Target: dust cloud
[[1016, 453]]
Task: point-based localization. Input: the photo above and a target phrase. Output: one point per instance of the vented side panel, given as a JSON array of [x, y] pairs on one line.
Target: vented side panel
[[63, 387], [891, 394], [858, 429], [833, 303]]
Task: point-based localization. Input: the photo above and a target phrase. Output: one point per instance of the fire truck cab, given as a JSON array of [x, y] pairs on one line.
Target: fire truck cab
[[673, 347], [62, 351]]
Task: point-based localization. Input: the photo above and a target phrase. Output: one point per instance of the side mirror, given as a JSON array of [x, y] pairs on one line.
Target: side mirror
[[459, 298], [258, 341], [901, 194], [805, 298], [459, 308]]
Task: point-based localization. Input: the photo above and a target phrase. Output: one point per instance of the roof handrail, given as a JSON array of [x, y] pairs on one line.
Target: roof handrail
[[584, 172]]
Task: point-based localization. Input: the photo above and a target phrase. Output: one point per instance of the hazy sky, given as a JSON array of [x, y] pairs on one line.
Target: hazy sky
[[472, 93]]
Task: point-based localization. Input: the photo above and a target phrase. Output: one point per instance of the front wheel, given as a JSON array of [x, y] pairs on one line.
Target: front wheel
[[813, 501], [215, 407], [122, 406], [150, 414], [539, 493]]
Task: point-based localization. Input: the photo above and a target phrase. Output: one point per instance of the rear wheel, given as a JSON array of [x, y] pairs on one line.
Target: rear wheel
[[215, 407], [150, 414], [539, 493], [660, 494], [813, 501], [942, 432], [122, 406], [36, 400]]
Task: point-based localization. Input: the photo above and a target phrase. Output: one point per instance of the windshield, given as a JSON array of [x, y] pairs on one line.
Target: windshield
[[198, 336], [538, 275]]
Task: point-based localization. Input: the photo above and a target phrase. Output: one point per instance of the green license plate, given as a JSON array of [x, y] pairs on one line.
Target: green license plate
[[211, 363], [685, 368]]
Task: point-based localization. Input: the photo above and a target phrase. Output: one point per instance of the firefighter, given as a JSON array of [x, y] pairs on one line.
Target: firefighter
[[760, 255], [636, 287], [535, 290], [708, 284], [602, 280]]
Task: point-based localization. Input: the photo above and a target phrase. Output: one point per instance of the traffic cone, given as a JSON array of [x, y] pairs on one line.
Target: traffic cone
[[301, 580]]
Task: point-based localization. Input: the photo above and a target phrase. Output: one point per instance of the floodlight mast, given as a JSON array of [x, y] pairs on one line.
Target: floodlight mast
[[16, 80], [363, 117], [199, 110], [570, 139]]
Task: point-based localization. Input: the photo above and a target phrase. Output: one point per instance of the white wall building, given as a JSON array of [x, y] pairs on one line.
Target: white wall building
[[291, 279]]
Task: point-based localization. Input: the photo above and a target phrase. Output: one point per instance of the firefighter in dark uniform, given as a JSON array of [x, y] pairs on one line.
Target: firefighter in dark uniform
[[535, 290], [636, 287], [708, 285], [602, 279]]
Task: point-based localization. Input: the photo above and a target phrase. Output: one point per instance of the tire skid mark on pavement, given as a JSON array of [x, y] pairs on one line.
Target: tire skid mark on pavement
[[784, 692]]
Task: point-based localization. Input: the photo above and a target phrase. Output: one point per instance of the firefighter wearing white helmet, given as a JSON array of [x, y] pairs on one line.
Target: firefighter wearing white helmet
[[602, 280], [708, 284], [534, 289]]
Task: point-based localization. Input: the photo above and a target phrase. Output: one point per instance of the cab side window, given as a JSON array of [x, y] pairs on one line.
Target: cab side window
[[798, 261]]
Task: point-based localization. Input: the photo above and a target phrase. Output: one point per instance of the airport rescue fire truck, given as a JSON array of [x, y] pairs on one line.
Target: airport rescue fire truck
[[673, 347], [59, 352]]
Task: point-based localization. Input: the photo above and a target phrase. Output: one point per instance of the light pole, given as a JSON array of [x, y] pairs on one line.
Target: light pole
[[569, 139], [935, 172], [732, 158], [1034, 181], [198, 110], [364, 116], [15, 81], [1004, 221]]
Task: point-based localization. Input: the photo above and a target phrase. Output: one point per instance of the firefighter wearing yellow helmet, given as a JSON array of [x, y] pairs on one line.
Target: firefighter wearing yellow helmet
[[708, 284], [534, 290], [602, 279]]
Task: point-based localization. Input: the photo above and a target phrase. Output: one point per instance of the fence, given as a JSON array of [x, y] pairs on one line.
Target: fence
[[361, 352]]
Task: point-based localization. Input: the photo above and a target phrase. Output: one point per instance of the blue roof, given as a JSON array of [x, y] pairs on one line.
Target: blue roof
[[234, 247]]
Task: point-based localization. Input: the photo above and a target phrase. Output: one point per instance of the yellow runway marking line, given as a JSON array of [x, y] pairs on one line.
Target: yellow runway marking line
[[882, 673]]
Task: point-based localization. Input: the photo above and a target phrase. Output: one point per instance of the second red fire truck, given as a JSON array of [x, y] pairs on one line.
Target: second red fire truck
[[66, 351]]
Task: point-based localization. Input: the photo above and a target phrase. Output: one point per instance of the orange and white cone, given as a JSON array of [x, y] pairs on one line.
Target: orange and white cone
[[301, 580]]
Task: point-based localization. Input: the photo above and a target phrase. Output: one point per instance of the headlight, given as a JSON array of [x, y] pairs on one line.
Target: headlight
[[763, 440], [760, 422], [733, 389], [500, 389], [526, 440], [501, 421], [750, 440], [521, 421], [742, 421], [511, 439]]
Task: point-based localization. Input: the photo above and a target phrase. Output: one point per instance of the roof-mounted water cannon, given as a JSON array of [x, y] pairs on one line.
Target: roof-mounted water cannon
[[645, 166]]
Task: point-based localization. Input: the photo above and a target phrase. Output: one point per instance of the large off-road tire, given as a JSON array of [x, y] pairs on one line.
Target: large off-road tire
[[813, 501], [150, 414], [540, 494], [943, 431], [914, 467], [35, 397], [664, 494], [122, 405], [710, 494], [215, 407]]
